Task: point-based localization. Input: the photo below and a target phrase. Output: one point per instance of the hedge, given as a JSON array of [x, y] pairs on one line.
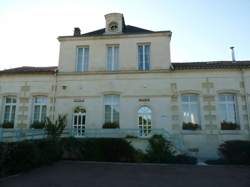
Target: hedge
[[233, 152], [22, 156]]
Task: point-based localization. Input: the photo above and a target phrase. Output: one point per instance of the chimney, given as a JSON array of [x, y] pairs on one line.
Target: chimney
[[233, 54], [77, 31]]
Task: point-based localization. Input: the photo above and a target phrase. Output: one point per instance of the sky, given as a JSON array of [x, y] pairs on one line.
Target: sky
[[202, 30]]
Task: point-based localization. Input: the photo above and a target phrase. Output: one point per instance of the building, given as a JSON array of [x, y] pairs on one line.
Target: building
[[124, 74]]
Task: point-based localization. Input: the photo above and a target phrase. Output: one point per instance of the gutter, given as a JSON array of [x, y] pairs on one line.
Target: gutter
[[246, 96], [54, 94]]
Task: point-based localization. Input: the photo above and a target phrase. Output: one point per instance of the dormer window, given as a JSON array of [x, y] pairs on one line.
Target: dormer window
[[113, 27]]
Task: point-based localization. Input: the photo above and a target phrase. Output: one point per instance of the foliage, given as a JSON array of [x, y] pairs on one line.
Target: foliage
[[37, 125], [14, 158], [7, 125], [110, 125], [190, 126], [55, 130], [229, 126], [162, 151], [235, 152], [98, 149]]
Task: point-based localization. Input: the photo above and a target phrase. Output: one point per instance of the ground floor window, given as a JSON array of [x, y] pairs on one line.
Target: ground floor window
[[40, 108], [9, 109], [144, 121], [112, 108], [79, 120], [190, 111]]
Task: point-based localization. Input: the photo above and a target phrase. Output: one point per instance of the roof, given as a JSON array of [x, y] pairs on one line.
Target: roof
[[29, 69], [176, 66], [128, 29], [211, 65]]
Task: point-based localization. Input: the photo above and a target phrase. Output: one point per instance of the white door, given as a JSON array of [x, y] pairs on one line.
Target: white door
[[79, 120]]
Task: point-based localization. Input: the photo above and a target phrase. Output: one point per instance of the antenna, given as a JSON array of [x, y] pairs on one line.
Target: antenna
[[233, 54]]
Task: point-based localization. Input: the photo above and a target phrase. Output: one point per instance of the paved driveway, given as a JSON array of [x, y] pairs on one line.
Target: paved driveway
[[69, 173]]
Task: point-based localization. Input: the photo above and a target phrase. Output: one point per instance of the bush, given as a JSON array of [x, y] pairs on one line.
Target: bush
[[235, 152], [190, 126], [162, 151], [7, 125], [98, 149], [37, 125], [110, 125], [229, 126], [17, 157], [55, 130], [159, 150]]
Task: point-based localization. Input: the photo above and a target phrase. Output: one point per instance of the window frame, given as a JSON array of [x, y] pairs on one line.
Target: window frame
[[11, 108], [142, 126], [84, 65], [114, 64], [189, 103], [40, 108], [112, 107], [226, 103], [144, 67]]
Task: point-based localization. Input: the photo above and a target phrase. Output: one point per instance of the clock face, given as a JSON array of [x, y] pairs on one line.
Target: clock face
[[113, 27]]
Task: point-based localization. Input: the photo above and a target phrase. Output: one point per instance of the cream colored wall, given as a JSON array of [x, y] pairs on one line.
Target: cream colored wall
[[24, 87], [128, 57], [162, 88]]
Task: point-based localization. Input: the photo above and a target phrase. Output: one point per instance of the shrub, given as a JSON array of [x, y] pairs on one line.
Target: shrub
[[229, 126], [7, 125], [160, 150], [17, 157], [190, 126], [98, 149], [235, 152], [37, 125], [55, 130], [110, 125]]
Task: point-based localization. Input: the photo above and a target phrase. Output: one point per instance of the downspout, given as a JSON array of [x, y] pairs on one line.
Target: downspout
[[246, 97], [54, 94]]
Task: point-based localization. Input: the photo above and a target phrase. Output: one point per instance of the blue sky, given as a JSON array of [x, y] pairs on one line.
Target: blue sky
[[203, 30]]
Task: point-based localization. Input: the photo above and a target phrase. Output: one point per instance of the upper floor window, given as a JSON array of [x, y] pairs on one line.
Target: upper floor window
[[39, 108], [82, 59], [112, 108], [9, 109], [190, 111], [228, 110], [144, 57], [112, 57]]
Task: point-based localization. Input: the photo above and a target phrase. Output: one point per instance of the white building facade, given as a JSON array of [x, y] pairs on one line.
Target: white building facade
[[123, 74]]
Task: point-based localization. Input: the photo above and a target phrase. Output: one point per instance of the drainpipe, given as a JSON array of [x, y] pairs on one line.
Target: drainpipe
[[246, 96], [54, 94]]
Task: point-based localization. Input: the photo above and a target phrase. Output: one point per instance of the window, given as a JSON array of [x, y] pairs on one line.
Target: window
[[144, 57], [112, 58], [9, 109], [82, 59], [112, 108], [113, 27], [79, 119], [144, 121], [190, 109], [39, 109], [228, 108]]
